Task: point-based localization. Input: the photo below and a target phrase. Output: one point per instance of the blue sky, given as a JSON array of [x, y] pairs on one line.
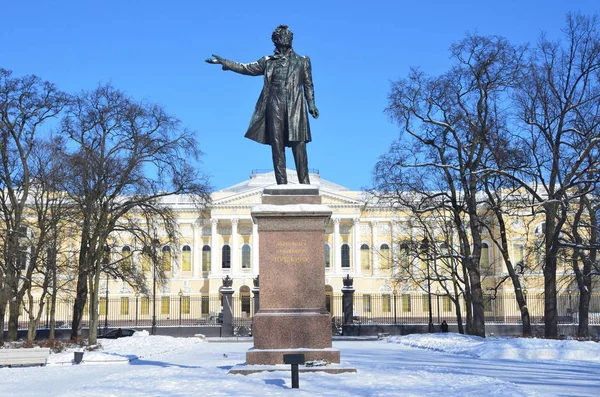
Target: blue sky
[[155, 50]]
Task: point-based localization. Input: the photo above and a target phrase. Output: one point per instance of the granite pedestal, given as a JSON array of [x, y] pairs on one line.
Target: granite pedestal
[[292, 317]]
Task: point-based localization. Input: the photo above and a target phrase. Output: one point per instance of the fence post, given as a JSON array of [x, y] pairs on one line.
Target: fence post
[[348, 300], [227, 291]]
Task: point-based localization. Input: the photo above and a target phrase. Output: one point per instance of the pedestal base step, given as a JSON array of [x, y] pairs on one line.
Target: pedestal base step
[[244, 369], [275, 356]]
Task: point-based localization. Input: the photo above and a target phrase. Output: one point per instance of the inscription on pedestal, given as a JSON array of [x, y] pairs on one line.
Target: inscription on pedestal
[[291, 252]]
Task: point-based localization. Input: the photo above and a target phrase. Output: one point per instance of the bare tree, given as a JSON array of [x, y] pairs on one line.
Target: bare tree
[[48, 210], [449, 121], [25, 104], [124, 157], [558, 103]]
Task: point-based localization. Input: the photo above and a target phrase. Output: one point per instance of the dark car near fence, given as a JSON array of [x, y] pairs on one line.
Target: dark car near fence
[[118, 333]]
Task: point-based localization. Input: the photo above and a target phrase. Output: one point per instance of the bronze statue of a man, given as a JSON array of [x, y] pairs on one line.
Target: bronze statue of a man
[[280, 118]]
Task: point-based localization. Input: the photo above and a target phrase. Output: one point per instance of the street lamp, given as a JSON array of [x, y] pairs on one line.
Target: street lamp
[[425, 248], [180, 296], [437, 293], [155, 244], [137, 296], [395, 293], [106, 261]]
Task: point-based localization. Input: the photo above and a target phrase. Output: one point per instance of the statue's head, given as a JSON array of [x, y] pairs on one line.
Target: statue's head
[[282, 36]]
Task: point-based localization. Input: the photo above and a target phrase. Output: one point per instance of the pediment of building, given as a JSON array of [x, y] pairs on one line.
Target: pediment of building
[[253, 197]]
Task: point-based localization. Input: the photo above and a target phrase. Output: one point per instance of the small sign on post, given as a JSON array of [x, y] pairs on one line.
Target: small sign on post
[[294, 360]]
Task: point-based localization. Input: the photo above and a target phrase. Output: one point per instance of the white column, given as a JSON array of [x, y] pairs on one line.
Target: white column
[[214, 247], [235, 250], [375, 248], [356, 244], [197, 250], [255, 262], [337, 253], [394, 247]]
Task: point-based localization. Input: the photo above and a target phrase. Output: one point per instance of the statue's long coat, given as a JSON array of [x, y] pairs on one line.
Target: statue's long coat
[[298, 86]]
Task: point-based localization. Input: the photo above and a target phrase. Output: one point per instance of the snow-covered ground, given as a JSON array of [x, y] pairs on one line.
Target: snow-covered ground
[[413, 365]]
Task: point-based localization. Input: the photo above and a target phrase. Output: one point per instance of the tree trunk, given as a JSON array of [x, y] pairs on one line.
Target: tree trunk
[[550, 249], [2, 314], [459, 321], [13, 319], [94, 287], [584, 310], [477, 303], [79, 305], [52, 332]]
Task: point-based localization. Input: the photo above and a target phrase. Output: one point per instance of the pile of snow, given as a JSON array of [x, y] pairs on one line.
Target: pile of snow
[[503, 347], [139, 345]]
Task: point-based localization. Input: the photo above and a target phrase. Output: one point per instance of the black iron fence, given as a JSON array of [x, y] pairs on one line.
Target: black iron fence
[[411, 308], [400, 308]]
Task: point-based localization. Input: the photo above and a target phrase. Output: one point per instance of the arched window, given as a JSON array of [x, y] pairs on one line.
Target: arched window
[[226, 257], [405, 257], [126, 257], [146, 258], [206, 258], [384, 251], [345, 255], [246, 256], [365, 257], [245, 300], [484, 261], [328, 298], [186, 258], [166, 258], [327, 256]]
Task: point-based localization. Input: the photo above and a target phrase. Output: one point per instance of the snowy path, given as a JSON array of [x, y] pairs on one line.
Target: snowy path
[[384, 369]]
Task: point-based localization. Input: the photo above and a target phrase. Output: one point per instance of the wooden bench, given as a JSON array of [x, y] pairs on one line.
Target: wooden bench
[[22, 357]]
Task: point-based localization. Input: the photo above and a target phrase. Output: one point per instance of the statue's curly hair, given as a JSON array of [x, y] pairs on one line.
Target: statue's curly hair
[[282, 34]]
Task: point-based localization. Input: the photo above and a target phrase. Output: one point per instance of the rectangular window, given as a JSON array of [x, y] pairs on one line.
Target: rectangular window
[[145, 309], [246, 304], [165, 305], [204, 305], [185, 304], [367, 303], [447, 303], [425, 300], [102, 306], [124, 306], [386, 303], [518, 253], [406, 303]]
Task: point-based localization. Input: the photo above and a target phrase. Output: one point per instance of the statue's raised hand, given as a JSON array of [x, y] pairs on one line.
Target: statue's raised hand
[[217, 60]]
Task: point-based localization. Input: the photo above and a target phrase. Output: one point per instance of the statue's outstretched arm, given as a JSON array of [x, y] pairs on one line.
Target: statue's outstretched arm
[[251, 69]]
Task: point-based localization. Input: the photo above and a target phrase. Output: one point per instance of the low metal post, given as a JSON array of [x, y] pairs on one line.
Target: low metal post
[[294, 360]]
